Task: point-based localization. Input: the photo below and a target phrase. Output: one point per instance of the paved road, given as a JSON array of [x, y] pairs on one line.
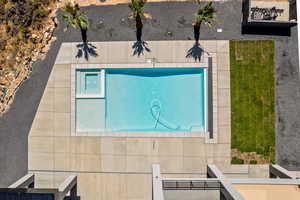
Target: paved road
[[109, 23]]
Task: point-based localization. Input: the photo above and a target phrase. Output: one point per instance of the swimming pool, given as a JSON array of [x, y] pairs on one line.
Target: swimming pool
[[140, 99]]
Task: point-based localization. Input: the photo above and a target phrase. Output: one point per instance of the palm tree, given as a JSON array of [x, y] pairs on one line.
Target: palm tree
[[205, 15], [137, 12], [76, 18]]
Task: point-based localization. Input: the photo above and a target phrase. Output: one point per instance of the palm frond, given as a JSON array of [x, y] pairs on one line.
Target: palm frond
[[137, 9], [205, 15], [131, 16], [74, 16], [83, 22], [147, 15]]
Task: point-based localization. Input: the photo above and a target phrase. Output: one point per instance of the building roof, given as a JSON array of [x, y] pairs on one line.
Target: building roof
[[268, 192]]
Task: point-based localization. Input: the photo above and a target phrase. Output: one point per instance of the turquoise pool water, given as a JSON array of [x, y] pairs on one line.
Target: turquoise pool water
[[142, 99], [89, 114], [87, 81]]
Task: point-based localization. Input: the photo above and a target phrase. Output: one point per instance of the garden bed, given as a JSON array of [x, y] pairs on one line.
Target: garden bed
[[252, 100]]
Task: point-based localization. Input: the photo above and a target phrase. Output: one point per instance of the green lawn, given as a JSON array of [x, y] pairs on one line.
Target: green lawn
[[253, 97]]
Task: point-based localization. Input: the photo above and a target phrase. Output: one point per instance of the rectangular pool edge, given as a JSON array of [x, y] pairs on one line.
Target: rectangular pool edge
[[136, 133], [145, 134]]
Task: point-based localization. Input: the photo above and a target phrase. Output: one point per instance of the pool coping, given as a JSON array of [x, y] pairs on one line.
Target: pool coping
[[205, 134]]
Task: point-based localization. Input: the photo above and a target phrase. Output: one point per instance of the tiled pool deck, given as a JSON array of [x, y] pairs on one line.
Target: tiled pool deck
[[119, 165]]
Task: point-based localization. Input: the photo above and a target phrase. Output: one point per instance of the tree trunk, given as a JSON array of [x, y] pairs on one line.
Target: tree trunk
[[83, 35], [139, 28], [197, 31]]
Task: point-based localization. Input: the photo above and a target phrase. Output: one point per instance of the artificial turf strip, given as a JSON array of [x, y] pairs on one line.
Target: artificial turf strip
[[252, 97]]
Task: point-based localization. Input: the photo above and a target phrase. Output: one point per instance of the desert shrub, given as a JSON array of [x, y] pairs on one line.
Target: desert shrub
[[253, 162], [236, 160]]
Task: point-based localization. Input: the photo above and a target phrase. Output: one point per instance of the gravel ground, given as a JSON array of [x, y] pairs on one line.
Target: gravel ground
[[109, 23]]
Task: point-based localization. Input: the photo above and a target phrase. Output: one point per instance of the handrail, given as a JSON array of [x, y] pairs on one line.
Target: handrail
[[69, 185], [201, 184], [25, 181], [278, 171]]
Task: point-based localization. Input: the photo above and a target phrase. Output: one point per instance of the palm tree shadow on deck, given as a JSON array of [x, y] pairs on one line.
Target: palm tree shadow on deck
[[86, 50], [139, 47], [196, 52]]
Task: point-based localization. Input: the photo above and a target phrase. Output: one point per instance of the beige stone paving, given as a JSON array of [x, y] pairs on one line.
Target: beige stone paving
[[99, 159], [98, 154]]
